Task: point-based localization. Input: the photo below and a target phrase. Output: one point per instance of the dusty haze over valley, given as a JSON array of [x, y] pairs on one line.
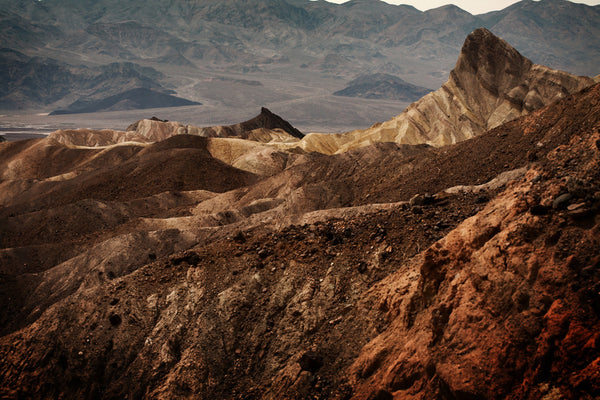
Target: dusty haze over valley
[[294, 199]]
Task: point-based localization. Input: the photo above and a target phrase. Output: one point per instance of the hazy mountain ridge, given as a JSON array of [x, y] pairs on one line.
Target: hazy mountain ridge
[[350, 39], [35, 81]]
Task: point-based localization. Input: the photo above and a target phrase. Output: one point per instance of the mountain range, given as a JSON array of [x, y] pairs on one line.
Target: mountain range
[[293, 47]]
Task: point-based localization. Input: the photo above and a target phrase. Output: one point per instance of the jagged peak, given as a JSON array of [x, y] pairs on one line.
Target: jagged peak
[[484, 49], [494, 63], [269, 120]]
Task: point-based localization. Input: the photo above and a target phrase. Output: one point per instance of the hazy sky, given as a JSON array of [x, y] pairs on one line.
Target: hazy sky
[[472, 6]]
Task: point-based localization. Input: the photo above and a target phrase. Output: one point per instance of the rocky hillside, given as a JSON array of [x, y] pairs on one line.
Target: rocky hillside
[[148, 264], [38, 81]]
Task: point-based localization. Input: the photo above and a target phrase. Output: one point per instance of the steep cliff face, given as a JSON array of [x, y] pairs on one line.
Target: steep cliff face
[[491, 84]]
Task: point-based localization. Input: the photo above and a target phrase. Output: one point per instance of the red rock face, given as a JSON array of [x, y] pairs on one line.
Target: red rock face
[[506, 305], [159, 271]]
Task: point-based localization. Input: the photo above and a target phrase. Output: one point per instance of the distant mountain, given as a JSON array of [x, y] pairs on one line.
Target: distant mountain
[[33, 81], [382, 86], [28, 82], [134, 99], [335, 41]]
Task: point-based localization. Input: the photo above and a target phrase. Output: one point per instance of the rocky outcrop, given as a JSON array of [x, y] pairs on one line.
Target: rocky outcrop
[[265, 120], [502, 307]]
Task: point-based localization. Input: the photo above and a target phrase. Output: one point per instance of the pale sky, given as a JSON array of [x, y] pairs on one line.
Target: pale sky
[[472, 6]]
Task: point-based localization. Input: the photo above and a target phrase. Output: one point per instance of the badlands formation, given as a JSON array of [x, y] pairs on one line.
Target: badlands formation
[[450, 253]]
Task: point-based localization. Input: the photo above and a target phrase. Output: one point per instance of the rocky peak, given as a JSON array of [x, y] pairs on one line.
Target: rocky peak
[[268, 120], [491, 84], [491, 60]]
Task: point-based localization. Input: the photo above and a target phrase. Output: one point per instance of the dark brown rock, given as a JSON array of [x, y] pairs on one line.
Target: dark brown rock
[[311, 361]]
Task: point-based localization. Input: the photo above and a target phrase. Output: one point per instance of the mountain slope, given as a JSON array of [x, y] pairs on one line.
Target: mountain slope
[[134, 99], [33, 81], [549, 22]]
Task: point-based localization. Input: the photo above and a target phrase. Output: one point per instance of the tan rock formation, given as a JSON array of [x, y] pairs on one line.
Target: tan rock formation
[[146, 131], [265, 128]]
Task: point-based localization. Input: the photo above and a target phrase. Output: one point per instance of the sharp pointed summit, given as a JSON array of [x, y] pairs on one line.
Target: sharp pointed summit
[[268, 120], [494, 62]]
